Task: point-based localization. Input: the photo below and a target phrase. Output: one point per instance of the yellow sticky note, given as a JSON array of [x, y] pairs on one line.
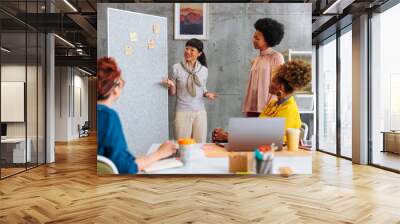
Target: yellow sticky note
[[151, 44], [133, 36], [128, 50], [156, 28]]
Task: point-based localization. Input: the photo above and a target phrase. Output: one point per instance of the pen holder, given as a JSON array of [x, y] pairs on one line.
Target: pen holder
[[264, 166], [241, 162], [264, 163]]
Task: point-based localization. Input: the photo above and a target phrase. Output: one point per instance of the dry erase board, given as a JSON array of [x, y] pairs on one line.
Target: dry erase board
[[12, 101], [138, 42]]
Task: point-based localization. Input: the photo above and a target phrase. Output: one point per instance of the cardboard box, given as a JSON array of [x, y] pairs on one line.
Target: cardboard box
[[241, 162]]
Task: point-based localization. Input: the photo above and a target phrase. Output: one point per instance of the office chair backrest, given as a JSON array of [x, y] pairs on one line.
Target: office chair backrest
[[303, 131], [86, 125], [105, 166]]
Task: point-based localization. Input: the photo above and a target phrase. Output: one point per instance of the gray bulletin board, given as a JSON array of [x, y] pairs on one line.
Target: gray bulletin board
[[138, 42]]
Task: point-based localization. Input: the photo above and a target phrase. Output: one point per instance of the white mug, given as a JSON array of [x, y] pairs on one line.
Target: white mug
[[186, 152]]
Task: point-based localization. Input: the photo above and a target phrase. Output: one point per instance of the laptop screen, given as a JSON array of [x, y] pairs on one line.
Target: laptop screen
[[246, 134]]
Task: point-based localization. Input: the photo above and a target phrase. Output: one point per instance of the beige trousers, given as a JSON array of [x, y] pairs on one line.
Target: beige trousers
[[191, 124]]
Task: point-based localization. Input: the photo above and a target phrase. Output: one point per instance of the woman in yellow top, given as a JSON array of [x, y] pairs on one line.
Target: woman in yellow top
[[289, 77]]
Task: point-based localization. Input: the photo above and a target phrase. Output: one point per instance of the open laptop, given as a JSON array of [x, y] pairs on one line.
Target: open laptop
[[246, 134]]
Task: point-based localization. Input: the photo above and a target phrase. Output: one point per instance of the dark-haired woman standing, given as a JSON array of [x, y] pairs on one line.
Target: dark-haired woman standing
[[111, 141], [188, 83], [268, 34]]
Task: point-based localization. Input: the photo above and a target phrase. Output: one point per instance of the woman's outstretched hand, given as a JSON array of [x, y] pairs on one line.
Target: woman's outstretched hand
[[168, 82], [166, 149], [211, 96]]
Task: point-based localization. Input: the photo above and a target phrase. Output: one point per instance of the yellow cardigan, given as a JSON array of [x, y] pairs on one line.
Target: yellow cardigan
[[287, 109]]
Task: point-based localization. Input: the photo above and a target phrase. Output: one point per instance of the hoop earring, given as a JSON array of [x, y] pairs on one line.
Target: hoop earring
[[279, 93]]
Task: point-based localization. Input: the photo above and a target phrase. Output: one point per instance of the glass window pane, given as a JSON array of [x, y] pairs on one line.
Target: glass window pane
[[31, 97], [327, 97], [385, 85], [22, 68], [13, 85], [41, 98], [346, 94]]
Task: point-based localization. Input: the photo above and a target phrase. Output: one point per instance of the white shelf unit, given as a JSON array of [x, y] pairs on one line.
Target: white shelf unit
[[305, 102], [305, 99], [291, 54]]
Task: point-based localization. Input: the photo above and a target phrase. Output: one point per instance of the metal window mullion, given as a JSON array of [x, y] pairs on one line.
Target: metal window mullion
[[37, 91], [73, 91], [338, 95], [369, 96], [69, 94], [317, 95], [0, 93], [60, 91], [26, 87], [45, 94]]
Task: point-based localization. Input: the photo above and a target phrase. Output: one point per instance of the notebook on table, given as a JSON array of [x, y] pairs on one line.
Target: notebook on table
[[167, 163], [164, 164]]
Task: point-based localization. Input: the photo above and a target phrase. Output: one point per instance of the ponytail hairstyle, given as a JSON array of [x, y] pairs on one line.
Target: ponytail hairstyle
[[198, 44], [108, 75]]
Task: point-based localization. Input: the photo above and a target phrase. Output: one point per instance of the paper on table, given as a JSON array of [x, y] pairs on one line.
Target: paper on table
[[214, 151], [164, 164]]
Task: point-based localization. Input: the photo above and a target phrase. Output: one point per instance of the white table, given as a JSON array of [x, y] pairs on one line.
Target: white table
[[19, 155], [300, 162]]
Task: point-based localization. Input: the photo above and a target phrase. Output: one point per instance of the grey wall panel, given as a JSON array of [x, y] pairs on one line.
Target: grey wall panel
[[229, 48], [143, 105]]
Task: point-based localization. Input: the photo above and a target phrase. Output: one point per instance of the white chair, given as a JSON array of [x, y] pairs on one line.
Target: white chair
[[105, 166], [303, 131]]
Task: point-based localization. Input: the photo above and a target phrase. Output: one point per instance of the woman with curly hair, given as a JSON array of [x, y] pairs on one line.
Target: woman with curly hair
[[268, 34], [289, 77]]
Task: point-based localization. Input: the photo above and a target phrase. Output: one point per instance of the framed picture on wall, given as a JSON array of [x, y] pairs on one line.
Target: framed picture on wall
[[191, 20]]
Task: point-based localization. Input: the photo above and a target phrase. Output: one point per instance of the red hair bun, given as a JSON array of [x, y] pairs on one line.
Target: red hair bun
[[107, 73]]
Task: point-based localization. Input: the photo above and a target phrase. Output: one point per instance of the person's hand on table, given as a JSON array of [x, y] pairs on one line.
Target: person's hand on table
[[166, 149], [219, 135]]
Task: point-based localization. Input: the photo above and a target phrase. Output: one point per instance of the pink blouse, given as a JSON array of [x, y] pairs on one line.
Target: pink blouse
[[257, 94]]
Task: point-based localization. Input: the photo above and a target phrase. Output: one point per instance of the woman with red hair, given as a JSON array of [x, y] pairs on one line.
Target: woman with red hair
[[111, 141]]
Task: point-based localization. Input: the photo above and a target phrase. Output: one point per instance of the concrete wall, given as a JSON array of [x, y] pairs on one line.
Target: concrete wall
[[228, 49], [61, 103], [69, 112]]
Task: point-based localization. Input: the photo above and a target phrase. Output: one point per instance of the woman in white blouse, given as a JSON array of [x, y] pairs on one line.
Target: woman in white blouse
[[188, 83]]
